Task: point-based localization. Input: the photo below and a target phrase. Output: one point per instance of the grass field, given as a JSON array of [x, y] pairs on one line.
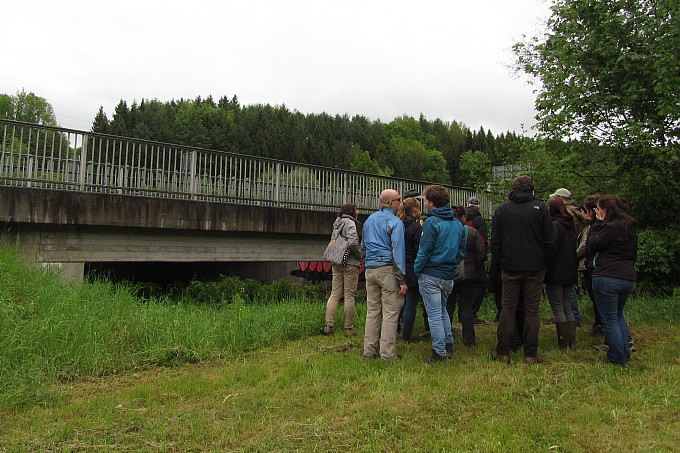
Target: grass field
[[91, 368]]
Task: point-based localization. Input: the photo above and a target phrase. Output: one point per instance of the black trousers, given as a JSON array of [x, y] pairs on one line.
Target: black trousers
[[530, 286]]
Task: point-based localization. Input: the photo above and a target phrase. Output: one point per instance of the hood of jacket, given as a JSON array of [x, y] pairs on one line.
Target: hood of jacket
[[444, 213], [521, 197], [564, 220]]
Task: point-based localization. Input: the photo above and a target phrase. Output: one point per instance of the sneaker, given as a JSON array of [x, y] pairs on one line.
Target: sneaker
[[435, 358], [631, 346], [500, 358], [537, 359]]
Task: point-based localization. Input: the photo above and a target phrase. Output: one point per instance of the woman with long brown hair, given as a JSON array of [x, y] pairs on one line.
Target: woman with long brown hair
[[409, 213], [612, 252]]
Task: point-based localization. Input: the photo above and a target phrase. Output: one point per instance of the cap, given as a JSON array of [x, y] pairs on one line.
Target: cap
[[473, 201], [561, 193]]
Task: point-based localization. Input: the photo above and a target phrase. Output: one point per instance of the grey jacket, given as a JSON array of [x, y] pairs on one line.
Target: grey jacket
[[350, 228]]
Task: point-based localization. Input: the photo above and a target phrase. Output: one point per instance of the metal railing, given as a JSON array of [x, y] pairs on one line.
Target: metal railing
[[56, 158]]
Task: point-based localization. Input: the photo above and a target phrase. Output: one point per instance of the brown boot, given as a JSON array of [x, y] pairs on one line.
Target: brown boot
[[500, 358], [327, 330], [537, 359]]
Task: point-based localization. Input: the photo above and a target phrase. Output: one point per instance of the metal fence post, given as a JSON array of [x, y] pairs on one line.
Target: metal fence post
[[192, 175], [278, 180], [83, 163]]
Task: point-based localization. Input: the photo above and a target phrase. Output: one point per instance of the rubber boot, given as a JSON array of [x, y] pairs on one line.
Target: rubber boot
[[572, 333], [562, 334]]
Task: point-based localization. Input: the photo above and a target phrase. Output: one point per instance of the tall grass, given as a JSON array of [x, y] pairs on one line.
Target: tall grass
[[53, 330]]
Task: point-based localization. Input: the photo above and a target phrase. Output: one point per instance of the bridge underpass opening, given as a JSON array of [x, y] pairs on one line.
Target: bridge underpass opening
[[166, 274]]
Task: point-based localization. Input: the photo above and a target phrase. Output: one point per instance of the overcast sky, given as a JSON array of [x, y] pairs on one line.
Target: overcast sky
[[445, 59]]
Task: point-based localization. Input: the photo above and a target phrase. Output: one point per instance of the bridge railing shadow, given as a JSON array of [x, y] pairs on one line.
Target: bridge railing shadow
[[36, 156]]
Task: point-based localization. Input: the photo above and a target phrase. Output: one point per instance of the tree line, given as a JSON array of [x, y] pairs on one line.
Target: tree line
[[407, 147]]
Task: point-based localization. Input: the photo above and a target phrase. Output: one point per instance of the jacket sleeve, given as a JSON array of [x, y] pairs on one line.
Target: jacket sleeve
[[424, 248], [352, 236], [548, 235], [398, 250]]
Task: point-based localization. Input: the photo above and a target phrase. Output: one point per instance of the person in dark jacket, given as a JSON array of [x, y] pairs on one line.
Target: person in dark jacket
[[409, 213], [562, 273], [587, 208], [522, 236], [476, 221], [463, 289], [612, 251]]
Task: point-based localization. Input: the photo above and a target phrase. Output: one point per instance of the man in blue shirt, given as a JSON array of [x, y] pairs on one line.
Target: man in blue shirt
[[385, 264], [442, 247]]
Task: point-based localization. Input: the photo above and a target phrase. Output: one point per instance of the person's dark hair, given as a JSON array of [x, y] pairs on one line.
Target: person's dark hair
[[556, 206], [522, 183], [459, 211], [437, 195], [617, 209], [409, 207], [348, 209], [588, 204]]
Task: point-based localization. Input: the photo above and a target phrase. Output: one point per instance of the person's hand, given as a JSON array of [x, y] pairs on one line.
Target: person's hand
[[402, 289]]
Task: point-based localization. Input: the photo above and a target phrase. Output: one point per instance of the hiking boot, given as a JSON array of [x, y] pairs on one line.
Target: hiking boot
[[369, 356], [349, 332], [435, 358], [327, 330], [536, 359], [449, 350], [500, 358]]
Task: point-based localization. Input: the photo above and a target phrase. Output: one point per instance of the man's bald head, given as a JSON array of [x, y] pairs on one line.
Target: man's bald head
[[389, 197]]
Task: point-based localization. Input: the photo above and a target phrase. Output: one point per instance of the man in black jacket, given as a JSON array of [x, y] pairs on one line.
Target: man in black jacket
[[521, 235]]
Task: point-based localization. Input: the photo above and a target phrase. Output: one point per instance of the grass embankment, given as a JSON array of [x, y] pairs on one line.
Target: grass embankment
[[100, 390]]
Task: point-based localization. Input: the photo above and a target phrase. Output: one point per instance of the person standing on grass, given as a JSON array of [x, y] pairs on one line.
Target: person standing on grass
[[481, 281], [576, 216], [612, 246], [442, 247], [345, 278], [385, 264], [464, 289], [587, 208], [409, 213], [521, 236], [562, 273]]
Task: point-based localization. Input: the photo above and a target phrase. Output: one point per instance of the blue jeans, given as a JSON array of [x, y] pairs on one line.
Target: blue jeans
[[435, 292], [611, 295]]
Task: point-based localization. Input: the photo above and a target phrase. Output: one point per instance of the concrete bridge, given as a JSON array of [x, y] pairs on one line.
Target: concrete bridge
[[70, 198]]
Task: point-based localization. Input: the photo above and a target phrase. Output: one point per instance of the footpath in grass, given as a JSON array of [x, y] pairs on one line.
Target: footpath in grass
[[318, 393]]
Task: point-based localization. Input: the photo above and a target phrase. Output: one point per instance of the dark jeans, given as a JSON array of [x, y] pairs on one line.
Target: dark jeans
[[409, 312], [463, 293], [611, 295], [530, 284], [588, 283]]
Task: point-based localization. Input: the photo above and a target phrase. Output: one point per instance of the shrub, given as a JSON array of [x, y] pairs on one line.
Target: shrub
[[658, 261]]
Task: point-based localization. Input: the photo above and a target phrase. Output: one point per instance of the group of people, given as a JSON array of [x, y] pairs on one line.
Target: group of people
[[442, 260]]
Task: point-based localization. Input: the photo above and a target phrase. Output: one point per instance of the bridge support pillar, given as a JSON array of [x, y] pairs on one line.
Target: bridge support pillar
[[74, 272]]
